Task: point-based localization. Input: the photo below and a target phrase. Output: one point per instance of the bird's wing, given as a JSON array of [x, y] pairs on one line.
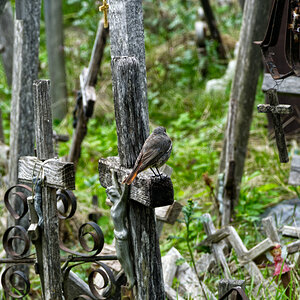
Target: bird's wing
[[153, 151]]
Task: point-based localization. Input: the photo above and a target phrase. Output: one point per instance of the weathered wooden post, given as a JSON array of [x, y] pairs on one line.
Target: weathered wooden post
[[25, 70], [7, 40], [131, 111], [86, 100], [53, 174], [56, 59], [242, 100]]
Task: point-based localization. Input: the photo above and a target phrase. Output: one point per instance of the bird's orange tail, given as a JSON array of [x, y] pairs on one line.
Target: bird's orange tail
[[128, 180]]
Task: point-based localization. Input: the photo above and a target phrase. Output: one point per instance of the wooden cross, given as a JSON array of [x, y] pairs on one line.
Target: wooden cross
[[56, 175], [104, 8], [88, 80], [276, 110], [131, 111]]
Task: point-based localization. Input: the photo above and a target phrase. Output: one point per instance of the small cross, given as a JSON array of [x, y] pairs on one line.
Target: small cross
[[276, 110], [104, 9]]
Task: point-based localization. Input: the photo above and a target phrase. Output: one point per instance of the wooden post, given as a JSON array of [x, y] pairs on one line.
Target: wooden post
[[7, 40], [44, 142], [212, 24], [244, 90], [131, 111], [25, 70], [56, 59], [85, 103], [276, 110]]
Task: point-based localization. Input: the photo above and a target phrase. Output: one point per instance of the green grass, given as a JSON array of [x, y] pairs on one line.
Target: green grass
[[194, 120]]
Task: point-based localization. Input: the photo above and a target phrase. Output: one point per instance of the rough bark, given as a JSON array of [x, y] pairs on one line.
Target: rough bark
[[56, 59], [2, 5], [7, 40]]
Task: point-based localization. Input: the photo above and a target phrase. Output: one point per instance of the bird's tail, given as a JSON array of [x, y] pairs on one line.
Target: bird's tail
[[128, 180]]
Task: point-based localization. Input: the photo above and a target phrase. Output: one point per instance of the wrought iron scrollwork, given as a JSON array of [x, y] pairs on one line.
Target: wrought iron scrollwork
[[15, 283], [20, 195], [101, 282], [97, 240], [67, 204], [12, 234]]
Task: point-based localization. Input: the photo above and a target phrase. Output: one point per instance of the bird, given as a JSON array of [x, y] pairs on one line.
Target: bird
[[155, 153]]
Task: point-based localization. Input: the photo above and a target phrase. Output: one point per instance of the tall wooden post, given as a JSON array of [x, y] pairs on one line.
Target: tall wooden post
[[242, 98], [56, 59], [7, 40], [25, 70], [50, 260], [131, 110]]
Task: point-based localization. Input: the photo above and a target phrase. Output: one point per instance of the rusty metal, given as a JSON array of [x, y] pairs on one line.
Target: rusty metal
[[15, 280], [108, 285], [91, 238], [22, 196], [8, 241], [240, 294], [285, 14], [96, 235], [69, 202]]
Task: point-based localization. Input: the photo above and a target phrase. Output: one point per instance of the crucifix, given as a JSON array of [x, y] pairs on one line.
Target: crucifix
[[54, 175], [104, 8], [276, 111], [131, 112]]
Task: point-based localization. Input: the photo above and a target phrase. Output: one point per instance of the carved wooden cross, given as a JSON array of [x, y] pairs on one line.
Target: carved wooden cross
[[131, 112], [276, 110], [56, 175], [104, 9], [86, 101]]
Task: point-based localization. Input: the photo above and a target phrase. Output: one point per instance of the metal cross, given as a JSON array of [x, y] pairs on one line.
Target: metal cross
[[104, 9], [276, 110]]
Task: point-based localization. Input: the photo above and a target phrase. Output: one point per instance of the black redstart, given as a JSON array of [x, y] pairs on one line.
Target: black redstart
[[155, 152]]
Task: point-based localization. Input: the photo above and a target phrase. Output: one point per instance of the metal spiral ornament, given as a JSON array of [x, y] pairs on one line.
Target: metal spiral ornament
[[16, 233], [108, 284], [67, 204], [20, 195], [95, 234], [15, 283]]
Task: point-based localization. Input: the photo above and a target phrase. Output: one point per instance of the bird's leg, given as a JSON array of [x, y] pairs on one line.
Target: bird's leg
[[158, 173], [153, 172]]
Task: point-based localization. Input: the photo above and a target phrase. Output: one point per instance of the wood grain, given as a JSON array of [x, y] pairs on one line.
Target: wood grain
[[48, 252], [289, 85], [294, 178], [59, 175], [146, 189]]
